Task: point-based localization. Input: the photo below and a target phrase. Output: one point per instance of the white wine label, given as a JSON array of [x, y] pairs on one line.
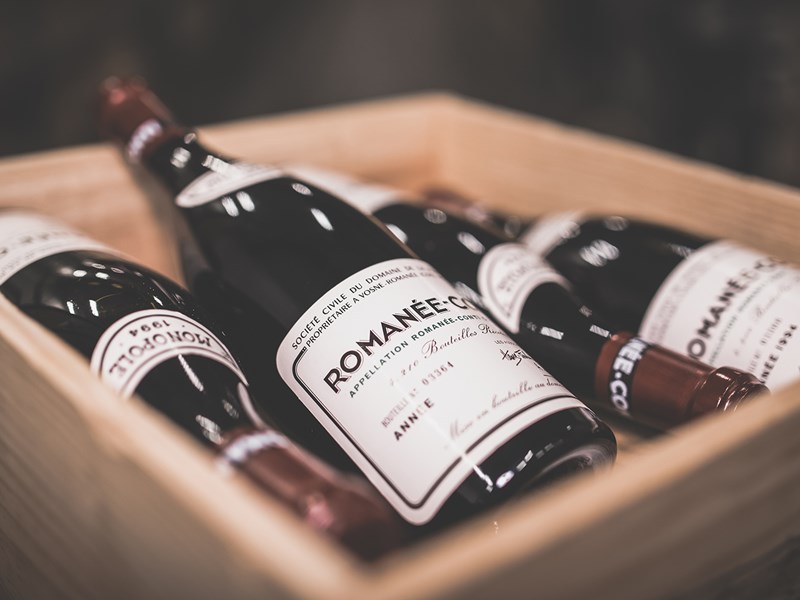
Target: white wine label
[[507, 275], [549, 231], [366, 197], [225, 178], [416, 384], [731, 306], [137, 343], [28, 237]]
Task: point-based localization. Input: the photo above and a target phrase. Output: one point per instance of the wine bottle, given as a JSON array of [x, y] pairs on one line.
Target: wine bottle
[[534, 304], [144, 335], [440, 433], [714, 300]]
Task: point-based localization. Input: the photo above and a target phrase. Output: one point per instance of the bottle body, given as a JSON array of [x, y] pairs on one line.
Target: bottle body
[[434, 434], [715, 301], [140, 332]]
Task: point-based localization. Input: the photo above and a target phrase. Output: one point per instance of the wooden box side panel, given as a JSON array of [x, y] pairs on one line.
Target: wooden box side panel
[[727, 507], [101, 498], [530, 166], [680, 518]]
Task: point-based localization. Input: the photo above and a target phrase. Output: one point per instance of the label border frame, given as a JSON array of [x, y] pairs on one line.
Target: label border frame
[[449, 469]]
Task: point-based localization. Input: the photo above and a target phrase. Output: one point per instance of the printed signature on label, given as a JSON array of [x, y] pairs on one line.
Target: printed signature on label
[[516, 356]]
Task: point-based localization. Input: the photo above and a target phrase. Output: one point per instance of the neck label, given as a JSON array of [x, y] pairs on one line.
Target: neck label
[[507, 275], [137, 343], [551, 230], [226, 178], [391, 362], [27, 237], [366, 197]]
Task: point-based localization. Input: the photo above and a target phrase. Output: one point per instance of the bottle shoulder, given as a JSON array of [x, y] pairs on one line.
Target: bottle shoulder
[[283, 209], [285, 244], [139, 332], [617, 242], [95, 286]]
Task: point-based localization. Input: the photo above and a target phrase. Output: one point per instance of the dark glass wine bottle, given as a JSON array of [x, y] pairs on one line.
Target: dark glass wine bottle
[[535, 305], [145, 335], [405, 374], [714, 300]]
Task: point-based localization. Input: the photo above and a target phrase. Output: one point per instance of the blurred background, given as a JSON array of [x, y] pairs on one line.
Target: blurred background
[[718, 81]]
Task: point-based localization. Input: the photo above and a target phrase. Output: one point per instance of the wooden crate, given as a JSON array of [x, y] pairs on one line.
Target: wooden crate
[[104, 499]]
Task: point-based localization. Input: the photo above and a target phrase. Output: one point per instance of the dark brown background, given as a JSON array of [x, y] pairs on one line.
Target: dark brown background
[[715, 80]]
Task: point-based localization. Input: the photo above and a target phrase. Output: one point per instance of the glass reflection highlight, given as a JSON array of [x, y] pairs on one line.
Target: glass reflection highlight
[[471, 243], [230, 206], [321, 218], [245, 201], [191, 374]]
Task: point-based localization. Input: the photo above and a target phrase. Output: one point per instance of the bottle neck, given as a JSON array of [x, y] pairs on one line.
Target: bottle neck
[[516, 288], [178, 160], [134, 117], [564, 335], [664, 389]]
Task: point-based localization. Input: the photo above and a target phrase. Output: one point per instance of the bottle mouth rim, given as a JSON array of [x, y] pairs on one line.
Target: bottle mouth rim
[[725, 390], [124, 106]]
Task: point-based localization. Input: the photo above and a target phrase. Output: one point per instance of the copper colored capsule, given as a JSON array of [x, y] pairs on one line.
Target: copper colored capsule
[[678, 388], [333, 503]]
